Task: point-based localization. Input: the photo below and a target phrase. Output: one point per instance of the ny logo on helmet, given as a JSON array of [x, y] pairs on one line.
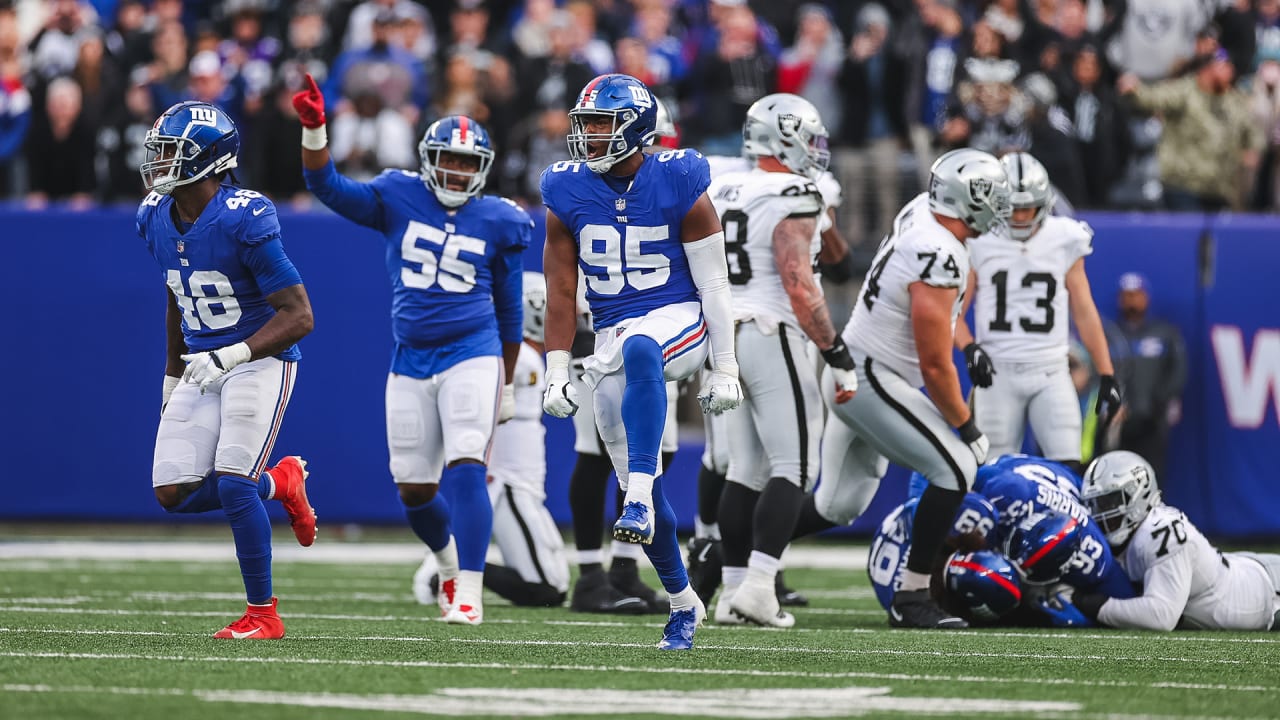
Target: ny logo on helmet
[[204, 116], [641, 96], [788, 124], [980, 189]]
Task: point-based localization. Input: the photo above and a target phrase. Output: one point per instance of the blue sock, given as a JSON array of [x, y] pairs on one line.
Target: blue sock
[[204, 499], [473, 515], [265, 483], [664, 552], [252, 532], [430, 522], [644, 403]]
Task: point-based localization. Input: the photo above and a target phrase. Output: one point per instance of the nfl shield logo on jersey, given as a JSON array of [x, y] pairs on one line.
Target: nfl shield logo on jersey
[[620, 204], [181, 245]]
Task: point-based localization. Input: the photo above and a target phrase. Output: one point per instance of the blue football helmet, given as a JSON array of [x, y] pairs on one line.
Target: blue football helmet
[[1042, 545], [456, 135], [974, 520], [633, 113], [984, 582], [188, 142]]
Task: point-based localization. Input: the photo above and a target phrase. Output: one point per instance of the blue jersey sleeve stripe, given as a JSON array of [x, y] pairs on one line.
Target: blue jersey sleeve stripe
[[356, 201]]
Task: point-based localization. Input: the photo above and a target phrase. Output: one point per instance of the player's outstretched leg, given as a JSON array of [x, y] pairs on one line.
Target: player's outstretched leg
[[644, 414], [912, 606], [472, 526], [251, 530], [288, 484], [687, 611]]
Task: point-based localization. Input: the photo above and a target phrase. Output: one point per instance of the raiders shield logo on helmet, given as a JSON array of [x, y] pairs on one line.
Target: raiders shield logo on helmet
[[788, 124], [980, 189]]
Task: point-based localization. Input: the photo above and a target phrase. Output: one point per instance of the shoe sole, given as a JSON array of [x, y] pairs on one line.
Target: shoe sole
[[307, 536], [628, 535]]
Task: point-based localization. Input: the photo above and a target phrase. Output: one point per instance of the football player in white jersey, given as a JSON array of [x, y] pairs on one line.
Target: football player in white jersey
[[1022, 284], [534, 570], [1186, 582], [770, 214], [900, 336]]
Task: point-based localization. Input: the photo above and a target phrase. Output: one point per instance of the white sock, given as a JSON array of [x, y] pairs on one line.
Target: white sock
[[628, 550], [732, 577], [640, 488], [447, 558], [762, 568], [470, 586], [591, 557], [686, 599], [709, 531], [912, 581]]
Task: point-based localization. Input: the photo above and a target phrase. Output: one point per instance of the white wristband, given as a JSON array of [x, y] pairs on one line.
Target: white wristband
[[558, 360], [315, 138]]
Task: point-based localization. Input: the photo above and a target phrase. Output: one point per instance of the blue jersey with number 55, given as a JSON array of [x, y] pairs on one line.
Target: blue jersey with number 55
[[628, 232], [223, 267]]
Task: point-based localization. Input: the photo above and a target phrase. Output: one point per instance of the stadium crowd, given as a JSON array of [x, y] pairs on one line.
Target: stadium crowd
[[1128, 103]]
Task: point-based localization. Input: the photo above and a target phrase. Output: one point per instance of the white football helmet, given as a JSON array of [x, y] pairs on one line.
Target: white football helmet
[[1029, 182], [535, 305], [971, 186], [787, 127], [1119, 490], [665, 127]]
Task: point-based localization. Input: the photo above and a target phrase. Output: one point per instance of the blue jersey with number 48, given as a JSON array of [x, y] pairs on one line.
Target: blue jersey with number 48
[[628, 232], [455, 272], [223, 267]]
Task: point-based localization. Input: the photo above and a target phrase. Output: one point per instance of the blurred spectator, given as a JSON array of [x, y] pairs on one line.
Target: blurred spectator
[[872, 132], [208, 84], [1156, 35], [546, 145], [933, 46], [1209, 136], [383, 69], [166, 76], [1238, 34], [15, 103], [1052, 138], [360, 32], [1101, 125], [1264, 105], [1267, 28], [809, 67], [370, 138], [1003, 16], [554, 81], [305, 49], [653, 28], [736, 73], [463, 91], [532, 33], [1154, 361], [56, 47], [248, 54], [989, 113], [417, 36], [469, 33], [121, 146], [588, 46], [128, 41], [60, 149], [633, 60], [99, 80], [280, 136]]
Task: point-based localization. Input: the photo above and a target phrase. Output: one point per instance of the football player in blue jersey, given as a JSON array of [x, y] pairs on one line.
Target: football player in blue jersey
[[454, 260], [644, 233], [236, 310]]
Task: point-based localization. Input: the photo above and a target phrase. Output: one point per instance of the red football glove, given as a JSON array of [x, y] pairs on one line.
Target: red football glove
[[310, 104]]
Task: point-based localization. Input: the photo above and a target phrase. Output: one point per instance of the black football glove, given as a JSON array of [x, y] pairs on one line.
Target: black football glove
[[1109, 399], [979, 364]]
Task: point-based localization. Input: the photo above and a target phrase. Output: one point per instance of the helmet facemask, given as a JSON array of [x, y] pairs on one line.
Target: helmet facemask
[[454, 174], [1119, 492], [162, 167], [581, 139]]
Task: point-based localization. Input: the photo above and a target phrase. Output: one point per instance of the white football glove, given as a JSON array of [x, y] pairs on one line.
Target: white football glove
[[840, 361], [170, 384], [507, 409], [560, 398], [721, 391], [973, 437], [205, 368]]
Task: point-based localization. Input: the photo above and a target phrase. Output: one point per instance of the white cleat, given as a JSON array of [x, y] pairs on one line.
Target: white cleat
[[758, 603], [465, 615], [723, 615], [422, 580]]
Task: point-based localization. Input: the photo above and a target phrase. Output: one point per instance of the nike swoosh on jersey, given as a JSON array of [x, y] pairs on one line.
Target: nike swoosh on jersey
[[259, 211], [243, 635]]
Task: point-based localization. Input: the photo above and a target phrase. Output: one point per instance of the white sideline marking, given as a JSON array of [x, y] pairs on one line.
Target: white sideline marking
[[727, 648], [806, 556], [538, 702], [648, 670]]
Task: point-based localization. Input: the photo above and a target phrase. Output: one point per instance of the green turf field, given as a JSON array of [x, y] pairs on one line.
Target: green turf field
[[122, 636]]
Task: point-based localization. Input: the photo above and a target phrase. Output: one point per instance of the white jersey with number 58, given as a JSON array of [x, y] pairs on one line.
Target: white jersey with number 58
[[751, 204], [1020, 307], [917, 249]]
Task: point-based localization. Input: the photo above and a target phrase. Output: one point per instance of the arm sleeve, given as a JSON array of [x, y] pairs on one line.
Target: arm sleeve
[[508, 270], [356, 201], [710, 271], [1166, 587]]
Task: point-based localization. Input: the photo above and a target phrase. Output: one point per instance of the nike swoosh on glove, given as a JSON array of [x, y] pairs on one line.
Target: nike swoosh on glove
[[205, 368], [560, 398], [973, 437], [840, 361], [978, 362], [721, 391], [1109, 399]]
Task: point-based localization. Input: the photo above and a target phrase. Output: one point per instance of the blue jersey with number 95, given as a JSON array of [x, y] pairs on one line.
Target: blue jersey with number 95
[[628, 231], [223, 267]]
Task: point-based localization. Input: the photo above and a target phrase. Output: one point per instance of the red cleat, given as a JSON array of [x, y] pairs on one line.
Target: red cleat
[[258, 623], [290, 475]]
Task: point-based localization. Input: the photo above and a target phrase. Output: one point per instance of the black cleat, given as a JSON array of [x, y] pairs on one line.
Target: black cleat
[[592, 593], [916, 609], [705, 565], [786, 596], [625, 577]]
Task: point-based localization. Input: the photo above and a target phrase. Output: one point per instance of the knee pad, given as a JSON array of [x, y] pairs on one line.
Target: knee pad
[[467, 443]]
